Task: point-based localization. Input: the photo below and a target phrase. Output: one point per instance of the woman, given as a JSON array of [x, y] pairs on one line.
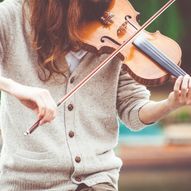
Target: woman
[[41, 60]]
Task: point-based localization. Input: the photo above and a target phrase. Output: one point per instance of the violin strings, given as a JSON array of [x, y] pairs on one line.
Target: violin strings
[[106, 61], [169, 63], [163, 57], [151, 50], [165, 62]]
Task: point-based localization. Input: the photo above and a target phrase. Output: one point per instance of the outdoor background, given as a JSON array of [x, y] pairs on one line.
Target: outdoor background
[[158, 158]]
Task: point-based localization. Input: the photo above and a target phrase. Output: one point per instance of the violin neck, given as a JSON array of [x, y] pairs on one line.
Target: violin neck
[[160, 58]]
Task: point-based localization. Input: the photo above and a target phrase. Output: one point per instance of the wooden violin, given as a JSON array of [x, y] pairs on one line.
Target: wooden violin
[[150, 57]]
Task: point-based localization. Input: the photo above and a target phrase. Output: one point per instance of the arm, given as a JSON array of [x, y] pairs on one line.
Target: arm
[[5, 84], [180, 96], [131, 97], [37, 99]]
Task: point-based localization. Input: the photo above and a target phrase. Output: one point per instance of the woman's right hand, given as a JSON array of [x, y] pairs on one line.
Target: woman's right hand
[[37, 99]]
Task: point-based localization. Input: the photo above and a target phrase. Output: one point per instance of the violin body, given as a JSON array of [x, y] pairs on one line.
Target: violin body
[[107, 33], [150, 57]]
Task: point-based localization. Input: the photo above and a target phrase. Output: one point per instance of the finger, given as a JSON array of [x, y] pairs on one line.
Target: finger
[[184, 87], [30, 104], [189, 92], [177, 86], [48, 117], [41, 107], [44, 120], [50, 108]]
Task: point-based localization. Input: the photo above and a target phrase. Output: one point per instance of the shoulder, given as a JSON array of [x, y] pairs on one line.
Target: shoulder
[[10, 6], [10, 16], [9, 10]]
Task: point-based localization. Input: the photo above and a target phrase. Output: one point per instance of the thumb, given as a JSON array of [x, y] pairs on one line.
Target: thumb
[[30, 104]]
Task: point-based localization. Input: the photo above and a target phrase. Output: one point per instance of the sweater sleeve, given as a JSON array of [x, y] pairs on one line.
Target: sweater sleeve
[[131, 96], [8, 11], [1, 56]]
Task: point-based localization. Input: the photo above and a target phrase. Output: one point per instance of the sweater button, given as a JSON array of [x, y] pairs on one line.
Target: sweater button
[[70, 107], [78, 159], [72, 80], [78, 179], [71, 134]]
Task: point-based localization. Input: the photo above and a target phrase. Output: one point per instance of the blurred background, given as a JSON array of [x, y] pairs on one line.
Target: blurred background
[[159, 157]]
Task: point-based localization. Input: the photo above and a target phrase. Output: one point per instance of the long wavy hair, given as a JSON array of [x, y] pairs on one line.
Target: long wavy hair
[[55, 24]]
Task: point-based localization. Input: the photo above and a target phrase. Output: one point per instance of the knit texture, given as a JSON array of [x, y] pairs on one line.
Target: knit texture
[[45, 160]]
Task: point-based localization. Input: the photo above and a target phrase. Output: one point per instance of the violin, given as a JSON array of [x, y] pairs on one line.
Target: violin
[[150, 58]]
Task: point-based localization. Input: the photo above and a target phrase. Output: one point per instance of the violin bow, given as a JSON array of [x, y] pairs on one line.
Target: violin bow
[[106, 61]]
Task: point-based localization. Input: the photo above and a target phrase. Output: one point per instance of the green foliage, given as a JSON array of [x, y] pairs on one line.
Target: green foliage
[[183, 117], [169, 23]]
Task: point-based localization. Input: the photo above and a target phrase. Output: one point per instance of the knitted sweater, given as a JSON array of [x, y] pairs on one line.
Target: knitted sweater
[[77, 147]]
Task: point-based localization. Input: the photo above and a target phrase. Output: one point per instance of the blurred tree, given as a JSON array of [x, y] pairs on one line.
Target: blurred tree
[[169, 23]]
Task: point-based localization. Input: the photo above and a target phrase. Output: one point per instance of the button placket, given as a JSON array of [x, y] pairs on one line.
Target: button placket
[[78, 159], [71, 135], [70, 107]]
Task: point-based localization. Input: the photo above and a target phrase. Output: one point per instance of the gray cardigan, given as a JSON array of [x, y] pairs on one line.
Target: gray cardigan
[[78, 145]]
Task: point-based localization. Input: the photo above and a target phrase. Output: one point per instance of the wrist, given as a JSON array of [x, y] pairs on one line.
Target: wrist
[[169, 106], [6, 84]]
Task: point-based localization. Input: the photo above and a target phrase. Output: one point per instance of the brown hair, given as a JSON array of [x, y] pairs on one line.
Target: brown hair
[[54, 25]]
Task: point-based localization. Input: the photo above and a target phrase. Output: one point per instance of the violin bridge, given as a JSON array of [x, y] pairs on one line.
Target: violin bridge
[[122, 30], [106, 19]]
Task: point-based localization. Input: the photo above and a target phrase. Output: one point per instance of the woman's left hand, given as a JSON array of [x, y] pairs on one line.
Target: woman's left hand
[[181, 94]]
